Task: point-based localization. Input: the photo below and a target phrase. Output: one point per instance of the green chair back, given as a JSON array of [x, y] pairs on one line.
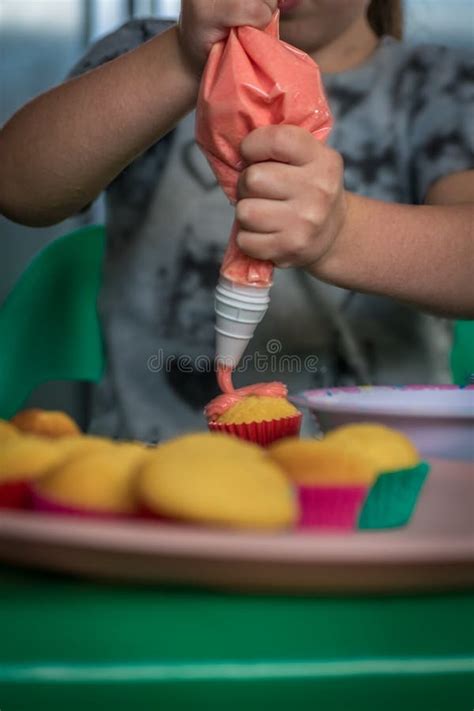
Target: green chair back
[[49, 327], [462, 354]]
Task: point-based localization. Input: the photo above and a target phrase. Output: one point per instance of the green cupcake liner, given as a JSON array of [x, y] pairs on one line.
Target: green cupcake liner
[[392, 499]]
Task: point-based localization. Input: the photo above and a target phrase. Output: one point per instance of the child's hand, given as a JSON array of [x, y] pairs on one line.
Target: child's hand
[[204, 22], [291, 203]]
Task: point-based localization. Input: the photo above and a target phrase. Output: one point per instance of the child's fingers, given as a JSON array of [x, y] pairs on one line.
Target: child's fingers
[[257, 245], [265, 216], [280, 247], [285, 144], [274, 181]]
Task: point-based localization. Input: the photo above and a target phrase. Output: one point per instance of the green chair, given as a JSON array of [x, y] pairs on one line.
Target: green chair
[[49, 328], [462, 354]]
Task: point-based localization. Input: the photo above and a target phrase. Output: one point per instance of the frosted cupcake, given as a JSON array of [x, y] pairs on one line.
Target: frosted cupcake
[[257, 413], [332, 485], [99, 483]]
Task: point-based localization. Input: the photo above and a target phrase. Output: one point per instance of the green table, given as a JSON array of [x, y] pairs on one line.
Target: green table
[[69, 644]]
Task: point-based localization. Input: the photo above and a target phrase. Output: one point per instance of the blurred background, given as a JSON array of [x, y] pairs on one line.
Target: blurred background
[[39, 42]]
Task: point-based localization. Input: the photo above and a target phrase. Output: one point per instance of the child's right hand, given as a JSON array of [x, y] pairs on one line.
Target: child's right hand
[[202, 23]]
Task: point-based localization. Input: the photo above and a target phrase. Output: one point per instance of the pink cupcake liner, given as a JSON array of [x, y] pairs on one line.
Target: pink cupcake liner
[[262, 433], [44, 504], [15, 495], [330, 506]]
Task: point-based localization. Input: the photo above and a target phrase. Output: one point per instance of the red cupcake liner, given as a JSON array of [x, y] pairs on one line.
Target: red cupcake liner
[[262, 433], [146, 514], [44, 504], [15, 495], [330, 506]]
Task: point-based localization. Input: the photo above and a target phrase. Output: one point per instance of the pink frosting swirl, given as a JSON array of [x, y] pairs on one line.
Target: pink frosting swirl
[[231, 397]]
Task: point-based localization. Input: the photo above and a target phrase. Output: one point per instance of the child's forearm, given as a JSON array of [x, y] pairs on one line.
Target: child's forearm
[[420, 254], [64, 147]]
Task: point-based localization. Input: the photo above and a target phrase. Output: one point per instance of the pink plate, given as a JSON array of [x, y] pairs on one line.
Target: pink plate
[[435, 551]]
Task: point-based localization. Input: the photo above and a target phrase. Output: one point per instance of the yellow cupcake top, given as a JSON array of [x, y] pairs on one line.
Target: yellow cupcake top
[[101, 479], [256, 408], [8, 430], [385, 448], [219, 480], [27, 457], [312, 462], [46, 423], [81, 444]]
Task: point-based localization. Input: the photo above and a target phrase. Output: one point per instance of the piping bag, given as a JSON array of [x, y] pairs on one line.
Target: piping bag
[[251, 79]]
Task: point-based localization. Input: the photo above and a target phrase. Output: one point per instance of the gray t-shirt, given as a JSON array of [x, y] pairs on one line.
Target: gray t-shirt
[[402, 121]]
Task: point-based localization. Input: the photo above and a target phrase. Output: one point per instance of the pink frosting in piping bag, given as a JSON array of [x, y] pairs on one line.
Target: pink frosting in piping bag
[[252, 79]]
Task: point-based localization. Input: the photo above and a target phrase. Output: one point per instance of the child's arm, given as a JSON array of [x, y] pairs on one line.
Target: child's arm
[[63, 148], [422, 254], [294, 210]]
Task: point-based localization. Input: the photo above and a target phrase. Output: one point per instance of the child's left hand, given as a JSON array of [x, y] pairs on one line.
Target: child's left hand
[[291, 201]]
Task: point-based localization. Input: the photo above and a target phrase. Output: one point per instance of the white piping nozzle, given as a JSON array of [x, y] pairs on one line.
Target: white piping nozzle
[[239, 309]]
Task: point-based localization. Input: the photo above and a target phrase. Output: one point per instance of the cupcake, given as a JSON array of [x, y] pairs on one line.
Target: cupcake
[[8, 430], [385, 447], [94, 483], [259, 418], [257, 413], [216, 480], [22, 460], [46, 423], [401, 474], [331, 484], [81, 444]]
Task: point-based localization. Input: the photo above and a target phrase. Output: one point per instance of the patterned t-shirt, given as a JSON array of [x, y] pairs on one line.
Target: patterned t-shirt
[[402, 121]]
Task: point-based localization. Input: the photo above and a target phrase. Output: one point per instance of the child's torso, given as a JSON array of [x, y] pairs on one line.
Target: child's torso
[[168, 225]]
